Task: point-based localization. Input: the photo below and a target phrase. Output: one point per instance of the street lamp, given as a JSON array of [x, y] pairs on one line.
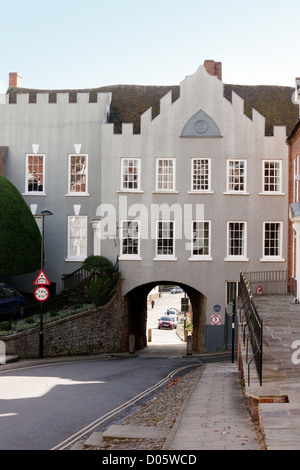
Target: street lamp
[[44, 213]]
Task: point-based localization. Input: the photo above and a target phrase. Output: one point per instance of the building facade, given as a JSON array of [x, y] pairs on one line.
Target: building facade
[[200, 194], [293, 142]]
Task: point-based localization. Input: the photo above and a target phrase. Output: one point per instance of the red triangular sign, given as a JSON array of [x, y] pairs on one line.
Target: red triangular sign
[[41, 280]]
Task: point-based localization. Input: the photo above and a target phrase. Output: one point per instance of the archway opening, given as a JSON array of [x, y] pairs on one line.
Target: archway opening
[[141, 315]]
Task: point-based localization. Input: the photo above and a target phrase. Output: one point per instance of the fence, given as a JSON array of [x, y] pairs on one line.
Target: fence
[[250, 319], [268, 282]]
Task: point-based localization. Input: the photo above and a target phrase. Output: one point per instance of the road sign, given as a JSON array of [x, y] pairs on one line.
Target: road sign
[[41, 293], [215, 319], [259, 290], [41, 280]]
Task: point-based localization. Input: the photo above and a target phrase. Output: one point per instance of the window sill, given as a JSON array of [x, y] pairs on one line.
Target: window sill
[[130, 258], [236, 193], [136, 191], [200, 259], [75, 260], [161, 191], [164, 258], [236, 258], [34, 193], [272, 259], [201, 192], [272, 193], [76, 194]]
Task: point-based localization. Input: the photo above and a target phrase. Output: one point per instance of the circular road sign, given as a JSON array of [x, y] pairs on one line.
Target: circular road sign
[[41, 294], [215, 319]]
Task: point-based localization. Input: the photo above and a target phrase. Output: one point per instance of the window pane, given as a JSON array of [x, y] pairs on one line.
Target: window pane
[[236, 175], [200, 177], [165, 238], [200, 245], [78, 173], [272, 239], [130, 174], [77, 237], [236, 236], [272, 176], [35, 173], [130, 237], [165, 175]]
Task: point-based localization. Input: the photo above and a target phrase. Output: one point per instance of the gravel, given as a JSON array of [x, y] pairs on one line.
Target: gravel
[[161, 411]]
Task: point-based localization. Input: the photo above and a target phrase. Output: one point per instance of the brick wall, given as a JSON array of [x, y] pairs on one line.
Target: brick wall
[[294, 149], [98, 331]]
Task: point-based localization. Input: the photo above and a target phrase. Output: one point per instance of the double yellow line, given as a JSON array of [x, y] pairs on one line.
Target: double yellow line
[[90, 427]]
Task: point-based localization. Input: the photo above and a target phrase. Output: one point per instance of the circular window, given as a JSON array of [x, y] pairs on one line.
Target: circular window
[[201, 127]]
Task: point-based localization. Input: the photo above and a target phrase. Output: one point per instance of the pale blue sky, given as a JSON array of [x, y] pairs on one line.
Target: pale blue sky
[[75, 44]]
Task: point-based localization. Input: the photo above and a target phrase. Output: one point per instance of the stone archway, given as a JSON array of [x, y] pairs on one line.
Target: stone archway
[[136, 308]]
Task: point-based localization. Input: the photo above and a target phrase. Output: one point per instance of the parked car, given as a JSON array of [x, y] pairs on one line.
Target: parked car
[[176, 290], [11, 302], [165, 322]]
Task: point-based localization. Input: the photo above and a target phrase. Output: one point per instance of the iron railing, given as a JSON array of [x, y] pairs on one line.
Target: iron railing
[[250, 320], [268, 282]]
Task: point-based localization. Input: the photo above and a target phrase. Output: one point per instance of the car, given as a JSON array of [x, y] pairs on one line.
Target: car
[[176, 290], [165, 322], [11, 302], [174, 319]]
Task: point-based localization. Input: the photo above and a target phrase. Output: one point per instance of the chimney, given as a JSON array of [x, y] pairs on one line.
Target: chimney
[[15, 80], [214, 68]]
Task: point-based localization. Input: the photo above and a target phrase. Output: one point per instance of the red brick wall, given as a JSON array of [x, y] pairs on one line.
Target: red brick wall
[[214, 68], [294, 150]]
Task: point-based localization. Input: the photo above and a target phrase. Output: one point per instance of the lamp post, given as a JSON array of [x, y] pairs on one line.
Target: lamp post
[[44, 213]]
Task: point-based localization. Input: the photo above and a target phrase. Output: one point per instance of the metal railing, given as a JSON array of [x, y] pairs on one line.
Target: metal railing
[[268, 282], [254, 324], [74, 279]]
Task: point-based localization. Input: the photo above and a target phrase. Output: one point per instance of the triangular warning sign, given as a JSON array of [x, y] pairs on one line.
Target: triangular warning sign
[[41, 280]]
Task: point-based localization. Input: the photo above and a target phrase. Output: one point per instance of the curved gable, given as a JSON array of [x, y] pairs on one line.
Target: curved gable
[[201, 125]]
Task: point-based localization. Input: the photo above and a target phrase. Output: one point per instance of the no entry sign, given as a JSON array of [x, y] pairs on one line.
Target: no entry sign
[[41, 294]]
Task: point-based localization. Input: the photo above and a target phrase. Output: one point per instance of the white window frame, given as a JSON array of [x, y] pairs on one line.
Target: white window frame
[[28, 176], [205, 256], [229, 189], [170, 183], [243, 247], [125, 227], [279, 246], [207, 177], [266, 178], [165, 256], [83, 252], [77, 193], [136, 166]]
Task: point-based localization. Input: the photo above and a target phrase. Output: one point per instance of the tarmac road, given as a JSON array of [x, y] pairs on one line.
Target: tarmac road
[[42, 405]]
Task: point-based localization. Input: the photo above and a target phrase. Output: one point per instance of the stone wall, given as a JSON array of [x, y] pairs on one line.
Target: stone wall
[[101, 330]]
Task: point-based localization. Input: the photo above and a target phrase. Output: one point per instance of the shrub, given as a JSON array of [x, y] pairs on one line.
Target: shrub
[[98, 263], [5, 326]]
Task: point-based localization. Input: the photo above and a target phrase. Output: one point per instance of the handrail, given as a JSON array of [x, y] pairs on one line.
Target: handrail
[[255, 327]]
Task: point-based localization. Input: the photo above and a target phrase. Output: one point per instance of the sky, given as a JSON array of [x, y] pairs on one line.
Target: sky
[[61, 44]]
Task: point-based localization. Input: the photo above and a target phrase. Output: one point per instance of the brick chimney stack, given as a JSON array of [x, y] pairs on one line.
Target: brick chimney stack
[[15, 80], [214, 68]]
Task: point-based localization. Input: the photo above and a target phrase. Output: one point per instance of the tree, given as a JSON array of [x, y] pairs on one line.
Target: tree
[[20, 238]]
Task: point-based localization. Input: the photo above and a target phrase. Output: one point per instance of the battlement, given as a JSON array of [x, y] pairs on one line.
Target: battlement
[[52, 97]]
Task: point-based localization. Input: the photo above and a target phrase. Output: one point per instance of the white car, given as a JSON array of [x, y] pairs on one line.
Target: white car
[[176, 290]]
